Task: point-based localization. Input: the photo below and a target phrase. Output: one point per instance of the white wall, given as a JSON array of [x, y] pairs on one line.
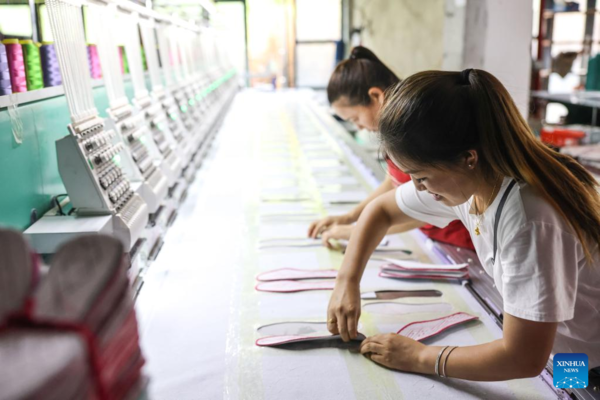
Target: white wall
[[454, 34], [416, 35], [408, 35], [498, 40]]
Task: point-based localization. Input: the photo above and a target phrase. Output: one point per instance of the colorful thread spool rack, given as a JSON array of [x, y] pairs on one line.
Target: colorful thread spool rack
[[16, 65], [50, 66]]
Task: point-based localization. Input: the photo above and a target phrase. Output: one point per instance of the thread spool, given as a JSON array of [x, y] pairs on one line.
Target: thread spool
[[16, 65], [144, 62], [5, 85], [50, 67], [33, 65], [124, 62], [94, 62]]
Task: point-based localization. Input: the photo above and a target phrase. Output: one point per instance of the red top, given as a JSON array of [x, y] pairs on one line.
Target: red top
[[455, 233]]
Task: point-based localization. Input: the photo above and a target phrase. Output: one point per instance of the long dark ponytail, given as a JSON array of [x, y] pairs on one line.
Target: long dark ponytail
[[352, 78], [434, 117]]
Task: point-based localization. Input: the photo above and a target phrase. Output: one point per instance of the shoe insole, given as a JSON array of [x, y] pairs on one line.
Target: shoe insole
[[421, 330], [295, 274], [296, 342], [294, 286], [294, 328]]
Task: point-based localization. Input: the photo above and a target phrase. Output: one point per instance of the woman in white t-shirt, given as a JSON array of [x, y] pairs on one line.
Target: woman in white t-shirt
[[466, 147]]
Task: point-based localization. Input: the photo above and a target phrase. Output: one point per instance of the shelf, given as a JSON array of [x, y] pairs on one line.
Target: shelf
[[28, 97], [547, 14], [548, 42], [37, 95], [545, 72]]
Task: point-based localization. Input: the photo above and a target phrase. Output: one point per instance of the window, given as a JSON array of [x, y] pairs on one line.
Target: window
[[318, 29], [15, 21]]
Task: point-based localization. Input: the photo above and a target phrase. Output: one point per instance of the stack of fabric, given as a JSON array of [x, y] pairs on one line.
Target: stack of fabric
[[75, 335], [406, 269]]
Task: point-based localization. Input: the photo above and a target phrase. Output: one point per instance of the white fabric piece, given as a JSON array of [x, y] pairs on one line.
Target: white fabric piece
[[540, 269], [284, 192], [297, 259], [322, 168], [278, 208], [280, 233], [345, 197], [336, 180], [37, 360]]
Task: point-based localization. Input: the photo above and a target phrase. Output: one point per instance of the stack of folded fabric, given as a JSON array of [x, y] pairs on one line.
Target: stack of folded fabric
[[405, 269], [75, 336]]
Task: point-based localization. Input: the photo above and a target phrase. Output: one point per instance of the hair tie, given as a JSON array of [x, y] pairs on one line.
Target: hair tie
[[464, 76], [352, 56]]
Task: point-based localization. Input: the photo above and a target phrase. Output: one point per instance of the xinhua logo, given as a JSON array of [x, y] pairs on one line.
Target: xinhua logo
[[570, 370]]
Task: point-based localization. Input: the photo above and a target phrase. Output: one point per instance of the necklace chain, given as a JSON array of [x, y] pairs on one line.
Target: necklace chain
[[478, 216]]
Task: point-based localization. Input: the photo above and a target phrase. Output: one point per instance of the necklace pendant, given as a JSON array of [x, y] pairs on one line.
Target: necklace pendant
[[477, 231]]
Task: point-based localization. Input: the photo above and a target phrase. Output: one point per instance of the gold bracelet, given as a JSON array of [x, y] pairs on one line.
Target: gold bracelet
[[437, 362], [446, 360]]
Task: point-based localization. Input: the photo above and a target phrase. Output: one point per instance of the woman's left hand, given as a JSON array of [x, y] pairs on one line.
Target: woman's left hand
[[336, 232], [394, 351]]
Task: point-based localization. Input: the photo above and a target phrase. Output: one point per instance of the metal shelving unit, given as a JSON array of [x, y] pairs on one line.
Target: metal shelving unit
[[545, 40]]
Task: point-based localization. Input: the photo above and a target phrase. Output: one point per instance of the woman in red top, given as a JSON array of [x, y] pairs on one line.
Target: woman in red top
[[356, 91]]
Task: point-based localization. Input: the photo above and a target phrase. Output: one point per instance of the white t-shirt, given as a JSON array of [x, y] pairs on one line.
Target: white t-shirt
[[540, 269]]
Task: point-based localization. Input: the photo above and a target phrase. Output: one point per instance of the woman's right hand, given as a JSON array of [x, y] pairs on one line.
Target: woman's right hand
[[319, 226], [343, 311]]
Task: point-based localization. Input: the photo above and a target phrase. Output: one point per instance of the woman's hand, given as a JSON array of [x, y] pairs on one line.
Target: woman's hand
[[318, 227], [395, 351], [336, 232], [344, 310]]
